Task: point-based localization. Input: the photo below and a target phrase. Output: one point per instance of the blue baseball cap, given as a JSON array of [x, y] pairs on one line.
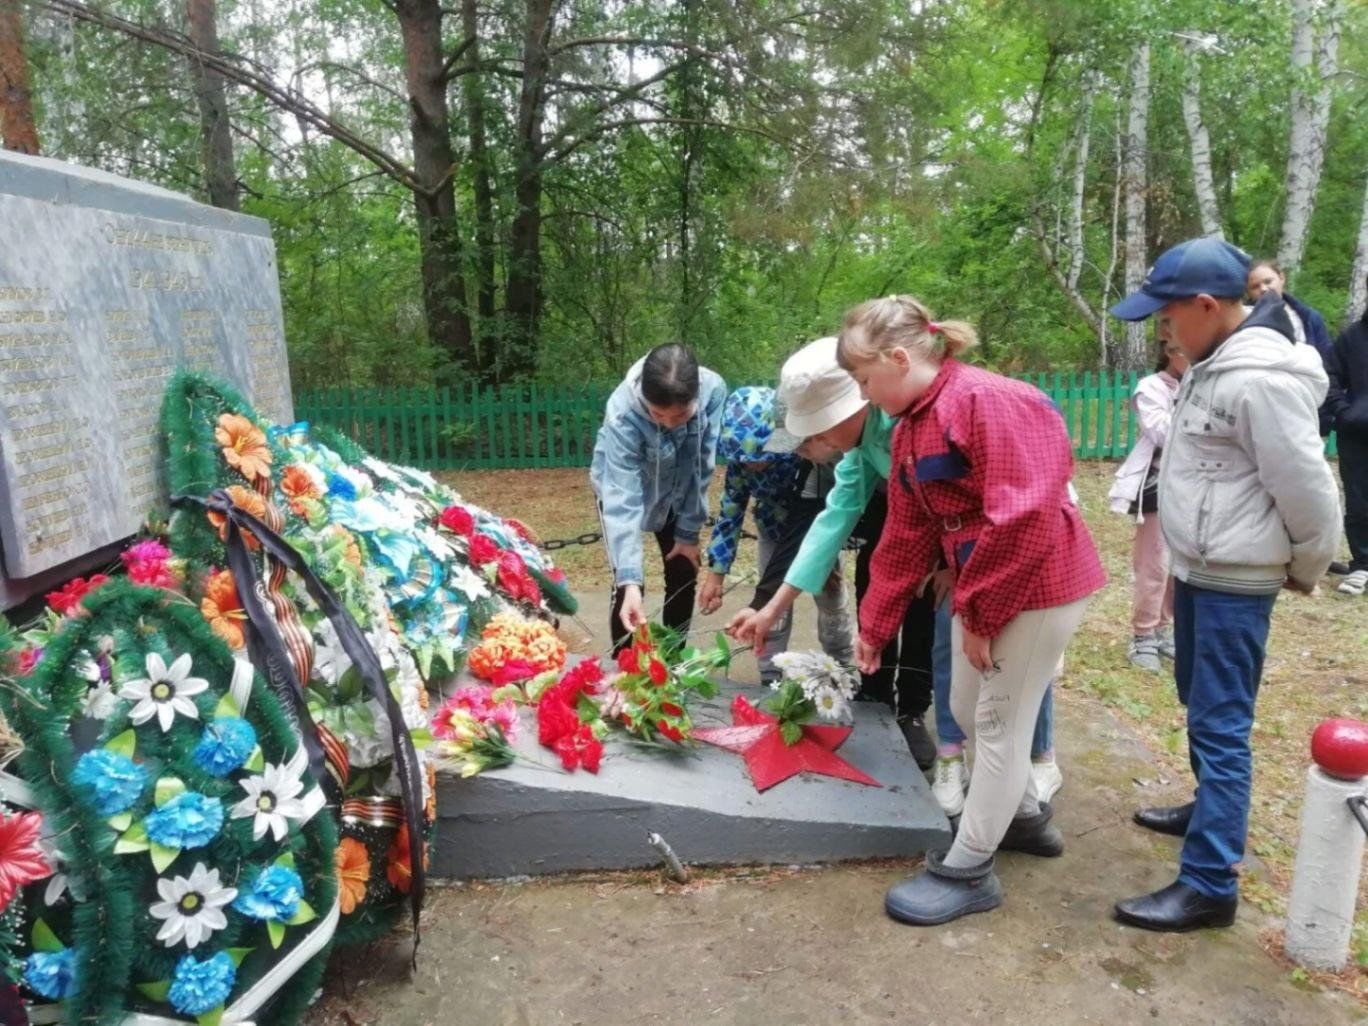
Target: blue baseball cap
[[1199, 266]]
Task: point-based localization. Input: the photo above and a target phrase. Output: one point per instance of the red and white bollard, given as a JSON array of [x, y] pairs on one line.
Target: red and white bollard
[[1320, 913]]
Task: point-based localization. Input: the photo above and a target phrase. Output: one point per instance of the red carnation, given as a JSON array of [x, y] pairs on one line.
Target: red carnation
[[670, 709], [673, 733], [66, 600], [627, 661], [580, 749], [555, 720], [521, 530], [659, 675], [458, 520], [483, 549]]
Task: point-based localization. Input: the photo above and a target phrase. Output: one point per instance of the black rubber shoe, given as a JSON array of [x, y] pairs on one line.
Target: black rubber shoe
[[919, 741], [1034, 835]]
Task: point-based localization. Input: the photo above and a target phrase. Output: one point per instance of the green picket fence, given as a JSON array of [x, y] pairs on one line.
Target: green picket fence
[[535, 426]]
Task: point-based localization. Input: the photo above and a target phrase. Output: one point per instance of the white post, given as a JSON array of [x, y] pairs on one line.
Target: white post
[[1320, 913]]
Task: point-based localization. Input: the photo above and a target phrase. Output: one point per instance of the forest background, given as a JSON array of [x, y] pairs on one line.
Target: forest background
[[496, 191]]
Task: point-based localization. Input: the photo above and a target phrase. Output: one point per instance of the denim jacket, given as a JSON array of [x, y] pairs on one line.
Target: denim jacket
[[642, 473]]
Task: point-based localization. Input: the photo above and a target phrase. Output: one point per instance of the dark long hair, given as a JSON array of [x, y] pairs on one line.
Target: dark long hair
[[670, 376]]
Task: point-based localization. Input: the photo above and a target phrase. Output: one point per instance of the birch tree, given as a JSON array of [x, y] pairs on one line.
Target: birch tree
[[1136, 149], [220, 172], [1358, 287], [1314, 58], [1198, 138]]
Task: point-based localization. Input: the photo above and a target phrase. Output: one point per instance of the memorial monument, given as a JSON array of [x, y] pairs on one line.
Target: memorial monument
[[106, 287]]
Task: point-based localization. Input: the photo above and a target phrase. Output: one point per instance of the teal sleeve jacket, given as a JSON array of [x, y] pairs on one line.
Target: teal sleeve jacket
[[857, 476]]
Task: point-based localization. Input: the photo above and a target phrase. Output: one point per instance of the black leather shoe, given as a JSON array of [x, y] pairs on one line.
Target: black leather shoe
[[919, 741], [1176, 908], [1339, 569], [1166, 819]]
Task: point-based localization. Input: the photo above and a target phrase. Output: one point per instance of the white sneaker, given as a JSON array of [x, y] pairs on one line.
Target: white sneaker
[[1355, 583], [1048, 779], [952, 780]]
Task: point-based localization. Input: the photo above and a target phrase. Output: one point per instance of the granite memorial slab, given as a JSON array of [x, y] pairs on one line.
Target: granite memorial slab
[[107, 286], [533, 818]]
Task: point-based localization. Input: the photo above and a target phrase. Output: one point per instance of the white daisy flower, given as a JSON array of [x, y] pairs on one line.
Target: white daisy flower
[[273, 798], [830, 704], [191, 907], [164, 692]]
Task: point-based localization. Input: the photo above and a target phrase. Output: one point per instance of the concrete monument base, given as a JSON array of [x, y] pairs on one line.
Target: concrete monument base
[[534, 818]]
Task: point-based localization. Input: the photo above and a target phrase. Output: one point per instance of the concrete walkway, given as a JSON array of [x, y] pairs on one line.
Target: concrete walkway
[[812, 947]]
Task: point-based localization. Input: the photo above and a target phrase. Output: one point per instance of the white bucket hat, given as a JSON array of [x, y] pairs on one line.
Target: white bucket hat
[[815, 394]]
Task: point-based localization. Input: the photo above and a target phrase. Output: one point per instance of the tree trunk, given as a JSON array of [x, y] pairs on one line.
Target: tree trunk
[[1313, 65], [434, 166], [1202, 181], [484, 193], [689, 141], [1082, 136], [17, 130], [1358, 287], [524, 293], [220, 173], [1137, 131]]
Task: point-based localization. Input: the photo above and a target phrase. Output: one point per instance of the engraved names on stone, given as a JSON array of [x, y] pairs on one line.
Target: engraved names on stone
[[107, 287]]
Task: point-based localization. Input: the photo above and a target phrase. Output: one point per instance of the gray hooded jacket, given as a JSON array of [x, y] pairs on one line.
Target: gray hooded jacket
[[1247, 500]]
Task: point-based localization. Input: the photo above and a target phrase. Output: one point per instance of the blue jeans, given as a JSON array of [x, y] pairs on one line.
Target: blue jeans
[[1219, 641], [947, 730]]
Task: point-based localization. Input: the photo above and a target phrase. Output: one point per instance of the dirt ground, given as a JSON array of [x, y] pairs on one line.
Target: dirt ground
[[810, 945]]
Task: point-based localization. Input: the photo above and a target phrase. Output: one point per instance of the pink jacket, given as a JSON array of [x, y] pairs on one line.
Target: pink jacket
[[1152, 405]]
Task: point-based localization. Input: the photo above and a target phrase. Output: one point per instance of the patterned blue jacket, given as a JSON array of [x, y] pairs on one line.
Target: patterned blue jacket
[[771, 479]]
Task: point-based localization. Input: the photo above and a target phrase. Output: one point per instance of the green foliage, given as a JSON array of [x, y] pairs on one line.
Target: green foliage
[[791, 161]]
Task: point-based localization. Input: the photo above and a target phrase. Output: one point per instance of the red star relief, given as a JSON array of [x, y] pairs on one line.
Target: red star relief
[[755, 735]]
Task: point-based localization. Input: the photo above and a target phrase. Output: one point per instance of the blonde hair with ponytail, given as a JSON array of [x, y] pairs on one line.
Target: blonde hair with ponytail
[[899, 322]]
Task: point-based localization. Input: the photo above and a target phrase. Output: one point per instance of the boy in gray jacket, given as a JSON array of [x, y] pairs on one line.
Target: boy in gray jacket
[[1248, 507]]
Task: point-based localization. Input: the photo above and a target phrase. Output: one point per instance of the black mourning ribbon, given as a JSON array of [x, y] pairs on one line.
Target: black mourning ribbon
[[269, 654]]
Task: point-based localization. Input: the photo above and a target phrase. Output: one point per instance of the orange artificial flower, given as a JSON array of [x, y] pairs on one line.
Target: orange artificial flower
[[400, 864], [244, 499], [244, 446], [353, 873], [297, 486], [222, 608]]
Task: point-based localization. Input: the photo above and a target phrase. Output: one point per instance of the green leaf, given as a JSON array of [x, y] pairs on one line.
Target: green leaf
[[211, 1018], [276, 931], [425, 661], [44, 939], [125, 744], [168, 788], [723, 651], [121, 822], [239, 955], [350, 685], [134, 839], [156, 991], [256, 762], [162, 856], [304, 914], [227, 707], [586, 707], [790, 732], [422, 738], [286, 859]]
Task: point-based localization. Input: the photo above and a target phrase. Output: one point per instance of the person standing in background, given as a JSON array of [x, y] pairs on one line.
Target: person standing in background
[[1347, 403], [1135, 493]]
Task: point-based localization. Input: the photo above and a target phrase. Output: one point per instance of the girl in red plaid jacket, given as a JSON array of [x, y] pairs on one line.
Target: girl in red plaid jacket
[[979, 484]]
